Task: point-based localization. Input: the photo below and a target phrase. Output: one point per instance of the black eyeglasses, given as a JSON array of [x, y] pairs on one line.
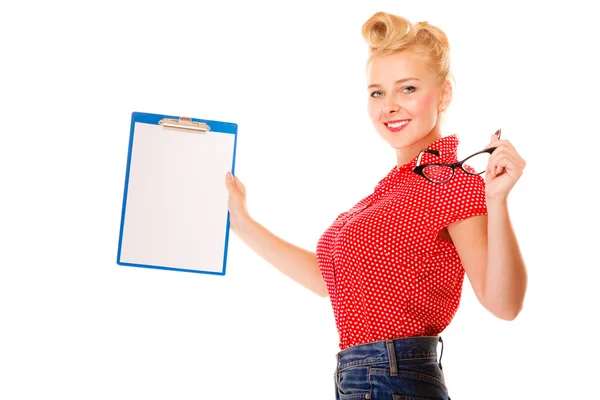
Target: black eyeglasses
[[475, 164]]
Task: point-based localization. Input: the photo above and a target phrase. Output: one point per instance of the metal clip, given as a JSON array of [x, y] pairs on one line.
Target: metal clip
[[184, 124]]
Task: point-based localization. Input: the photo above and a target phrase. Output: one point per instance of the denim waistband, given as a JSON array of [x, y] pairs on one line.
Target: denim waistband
[[391, 350]]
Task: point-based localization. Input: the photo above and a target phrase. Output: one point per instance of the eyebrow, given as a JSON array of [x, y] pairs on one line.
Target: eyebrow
[[399, 81]]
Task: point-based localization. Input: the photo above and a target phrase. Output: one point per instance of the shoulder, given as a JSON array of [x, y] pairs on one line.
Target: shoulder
[[462, 183], [460, 198]]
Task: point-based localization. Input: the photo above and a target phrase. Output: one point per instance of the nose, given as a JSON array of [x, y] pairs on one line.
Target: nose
[[391, 106]]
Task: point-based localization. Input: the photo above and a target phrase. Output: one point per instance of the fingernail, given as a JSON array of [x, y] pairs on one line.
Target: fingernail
[[498, 133]]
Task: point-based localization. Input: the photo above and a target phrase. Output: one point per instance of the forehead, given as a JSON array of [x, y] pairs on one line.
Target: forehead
[[384, 70]]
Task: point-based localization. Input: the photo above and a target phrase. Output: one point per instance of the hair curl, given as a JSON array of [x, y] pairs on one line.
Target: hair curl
[[388, 34]]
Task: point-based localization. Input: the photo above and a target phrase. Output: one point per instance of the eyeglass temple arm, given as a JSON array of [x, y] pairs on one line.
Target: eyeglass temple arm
[[430, 151]]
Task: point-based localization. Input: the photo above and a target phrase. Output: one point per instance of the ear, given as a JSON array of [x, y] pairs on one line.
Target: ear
[[445, 94]]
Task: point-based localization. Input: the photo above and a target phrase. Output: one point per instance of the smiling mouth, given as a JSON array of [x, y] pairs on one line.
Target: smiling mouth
[[395, 126]]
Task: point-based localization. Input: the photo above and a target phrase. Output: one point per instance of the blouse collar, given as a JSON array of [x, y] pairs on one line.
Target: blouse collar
[[446, 145]]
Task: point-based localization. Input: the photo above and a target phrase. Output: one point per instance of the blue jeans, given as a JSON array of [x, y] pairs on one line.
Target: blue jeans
[[394, 369]]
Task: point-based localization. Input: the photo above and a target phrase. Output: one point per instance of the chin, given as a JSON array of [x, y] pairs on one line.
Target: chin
[[404, 141], [399, 143]]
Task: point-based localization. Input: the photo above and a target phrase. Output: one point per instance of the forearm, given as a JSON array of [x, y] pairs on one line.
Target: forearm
[[297, 263], [506, 275]]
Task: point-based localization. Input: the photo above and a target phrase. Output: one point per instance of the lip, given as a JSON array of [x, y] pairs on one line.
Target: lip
[[394, 121]]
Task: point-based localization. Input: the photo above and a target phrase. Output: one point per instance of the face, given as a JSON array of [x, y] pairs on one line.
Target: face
[[404, 100]]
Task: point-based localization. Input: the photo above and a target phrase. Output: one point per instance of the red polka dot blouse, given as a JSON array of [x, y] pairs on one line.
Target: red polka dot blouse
[[388, 273]]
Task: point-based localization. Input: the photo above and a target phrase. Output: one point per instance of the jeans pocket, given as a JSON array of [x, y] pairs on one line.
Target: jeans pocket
[[417, 383], [354, 383], [418, 386]]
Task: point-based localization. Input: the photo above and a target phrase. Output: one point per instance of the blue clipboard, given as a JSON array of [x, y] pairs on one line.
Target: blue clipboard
[[175, 215]]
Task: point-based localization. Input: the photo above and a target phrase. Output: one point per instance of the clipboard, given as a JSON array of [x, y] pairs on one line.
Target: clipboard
[[175, 214]]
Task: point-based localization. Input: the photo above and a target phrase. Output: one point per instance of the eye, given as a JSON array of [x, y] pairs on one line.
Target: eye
[[376, 94], [412, 89]]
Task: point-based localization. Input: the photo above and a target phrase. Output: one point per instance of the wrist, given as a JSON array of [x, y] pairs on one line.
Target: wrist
[[497, 202], [244, 224]]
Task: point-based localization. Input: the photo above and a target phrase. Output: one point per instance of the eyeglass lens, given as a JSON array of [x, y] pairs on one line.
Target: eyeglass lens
[[438, 173], [477, 163]]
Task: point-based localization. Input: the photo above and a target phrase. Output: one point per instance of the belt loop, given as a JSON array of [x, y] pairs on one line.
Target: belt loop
[[392, 356], [442, 352], [337, 370]]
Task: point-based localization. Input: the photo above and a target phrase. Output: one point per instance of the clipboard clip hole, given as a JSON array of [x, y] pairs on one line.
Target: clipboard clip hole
[[184, 124]]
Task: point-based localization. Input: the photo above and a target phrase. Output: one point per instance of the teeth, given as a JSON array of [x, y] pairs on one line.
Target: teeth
[[398, 124]]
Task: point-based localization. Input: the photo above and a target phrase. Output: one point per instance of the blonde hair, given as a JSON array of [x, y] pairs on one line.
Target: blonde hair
[[388, 34]]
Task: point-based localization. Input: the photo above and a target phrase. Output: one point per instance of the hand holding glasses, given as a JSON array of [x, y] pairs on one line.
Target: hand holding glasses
[[475, 164]]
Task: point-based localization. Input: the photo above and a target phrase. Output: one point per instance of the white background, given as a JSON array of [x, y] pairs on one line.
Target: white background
[[75, 325]]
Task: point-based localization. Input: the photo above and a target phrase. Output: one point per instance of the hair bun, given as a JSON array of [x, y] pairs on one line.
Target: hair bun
[[387, 31]]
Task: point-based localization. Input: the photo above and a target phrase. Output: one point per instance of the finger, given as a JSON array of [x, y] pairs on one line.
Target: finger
[[494, 171], [496, 163], [495, 136], [505, 163], [498, 154], [502, 146], [508, 152], [233, 184], [506, 144], [497, 143], [228, 180], [489, 171], [239, 185], [500, 169]]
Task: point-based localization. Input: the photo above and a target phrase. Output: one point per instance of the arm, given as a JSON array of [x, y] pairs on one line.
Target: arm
[[487, 246], [490, 255], [299, 264], [295, 262]]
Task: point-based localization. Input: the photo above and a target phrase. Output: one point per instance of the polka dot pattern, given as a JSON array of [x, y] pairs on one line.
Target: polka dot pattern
[[388, 273]]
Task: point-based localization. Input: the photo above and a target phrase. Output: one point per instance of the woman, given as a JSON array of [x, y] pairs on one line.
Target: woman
[[394, 264]]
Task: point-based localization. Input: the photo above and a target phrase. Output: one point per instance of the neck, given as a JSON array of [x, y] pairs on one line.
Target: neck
[[407, 154]]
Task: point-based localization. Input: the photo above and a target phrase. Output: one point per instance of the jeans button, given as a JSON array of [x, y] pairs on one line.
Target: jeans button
[[367, 396]]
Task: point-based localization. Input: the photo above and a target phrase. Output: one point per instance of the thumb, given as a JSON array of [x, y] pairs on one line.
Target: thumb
[[229, 181], [493, 138], [239, 185], [496, 135]]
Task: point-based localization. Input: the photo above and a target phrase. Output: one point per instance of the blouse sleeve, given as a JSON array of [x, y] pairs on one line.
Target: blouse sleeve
[[460, 198]]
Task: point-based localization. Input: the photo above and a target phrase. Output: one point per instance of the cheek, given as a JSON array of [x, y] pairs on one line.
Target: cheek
[[427, 102], [374, 111]]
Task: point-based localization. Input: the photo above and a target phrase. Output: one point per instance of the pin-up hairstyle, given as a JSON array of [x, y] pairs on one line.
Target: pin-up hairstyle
[[388, 34]]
